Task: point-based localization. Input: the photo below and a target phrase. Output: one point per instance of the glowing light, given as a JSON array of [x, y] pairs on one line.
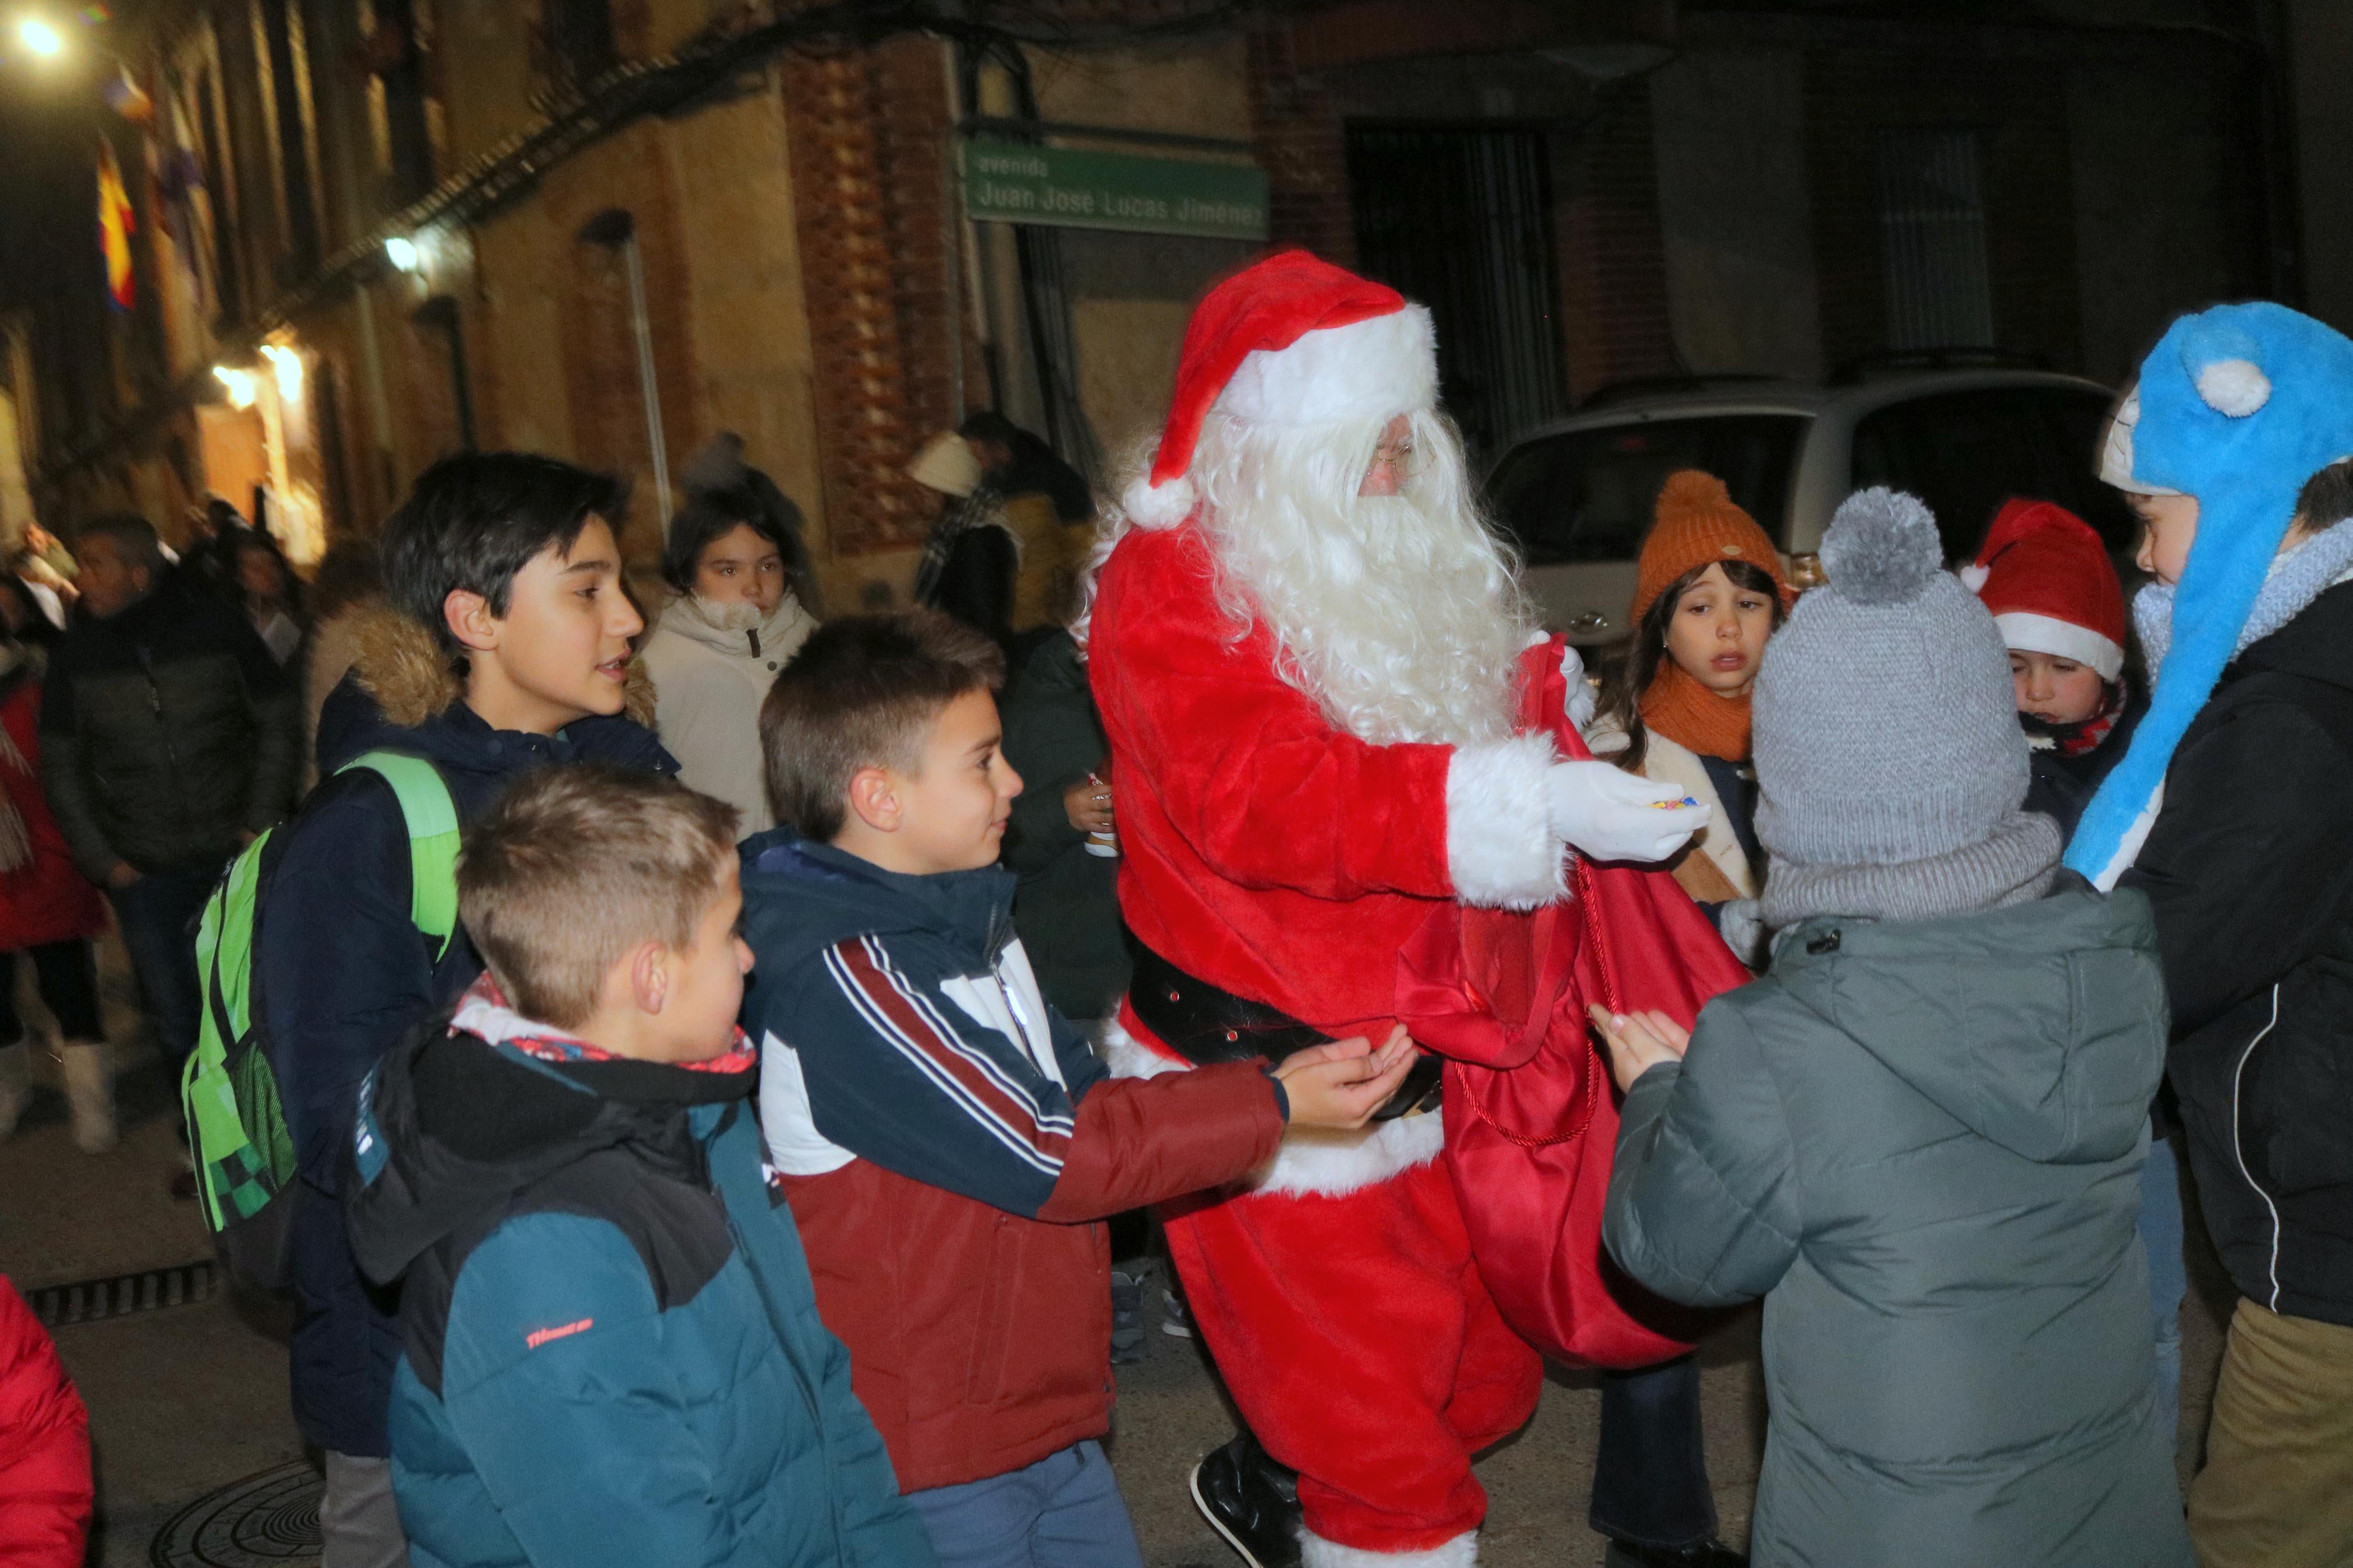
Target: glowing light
[[289, 365], [40, 37], [239, 384], [401, 252]]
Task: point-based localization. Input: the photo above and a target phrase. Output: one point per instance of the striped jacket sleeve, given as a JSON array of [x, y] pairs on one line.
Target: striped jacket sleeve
[[901, 1073]]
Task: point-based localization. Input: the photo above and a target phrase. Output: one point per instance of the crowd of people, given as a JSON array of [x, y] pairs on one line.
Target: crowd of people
[[724, 1179]]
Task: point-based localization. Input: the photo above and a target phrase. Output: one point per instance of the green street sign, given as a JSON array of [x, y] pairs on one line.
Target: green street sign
[[1010, 182]]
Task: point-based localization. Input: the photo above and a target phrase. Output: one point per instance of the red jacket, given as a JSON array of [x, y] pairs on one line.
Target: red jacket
[[979, 1340], [48, 899], [1267, 851], [45, 1484]]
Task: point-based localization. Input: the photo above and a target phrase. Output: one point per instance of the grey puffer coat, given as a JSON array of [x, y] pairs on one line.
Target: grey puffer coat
[[1921, 1142]]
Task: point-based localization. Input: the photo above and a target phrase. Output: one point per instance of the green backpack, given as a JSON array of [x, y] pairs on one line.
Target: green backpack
[[244, 1156]]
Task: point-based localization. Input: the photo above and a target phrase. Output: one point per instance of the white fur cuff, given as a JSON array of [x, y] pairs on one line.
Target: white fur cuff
[[1500, 848], [1462, 1551]]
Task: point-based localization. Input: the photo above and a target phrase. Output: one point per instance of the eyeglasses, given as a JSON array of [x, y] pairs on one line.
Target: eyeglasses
[[1402, 459]]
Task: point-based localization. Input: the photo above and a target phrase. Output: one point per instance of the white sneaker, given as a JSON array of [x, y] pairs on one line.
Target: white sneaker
[[89, 1093]]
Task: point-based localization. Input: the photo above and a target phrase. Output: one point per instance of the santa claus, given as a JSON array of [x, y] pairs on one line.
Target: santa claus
[[1308, 652]]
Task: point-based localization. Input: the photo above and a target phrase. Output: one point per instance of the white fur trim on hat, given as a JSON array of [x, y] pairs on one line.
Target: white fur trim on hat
[[2030, 633], [1156, 507], [2234, 387], [1370, 369], [1500, 848], [1311, 1161], [2116, 450], [1461, 1552]]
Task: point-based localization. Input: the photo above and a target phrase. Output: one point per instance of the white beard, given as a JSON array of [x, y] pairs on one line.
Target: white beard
[[1398, 614]]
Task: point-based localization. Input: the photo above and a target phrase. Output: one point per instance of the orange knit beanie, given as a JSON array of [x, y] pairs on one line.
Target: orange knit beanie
[[1697, 522]]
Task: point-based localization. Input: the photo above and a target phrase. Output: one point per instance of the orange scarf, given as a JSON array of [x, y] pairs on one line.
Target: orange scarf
[[1684, 711]]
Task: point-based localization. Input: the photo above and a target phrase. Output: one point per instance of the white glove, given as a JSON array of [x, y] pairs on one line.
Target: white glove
[[1583, 701], [1611, 815]]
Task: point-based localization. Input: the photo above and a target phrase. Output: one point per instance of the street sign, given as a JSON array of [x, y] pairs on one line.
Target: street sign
[[1012, 181]]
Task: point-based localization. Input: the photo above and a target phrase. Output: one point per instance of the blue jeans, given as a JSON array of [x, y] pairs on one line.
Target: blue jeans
[[1064, 1511], [1649, 1470], [158, 915], [2169, 1274]]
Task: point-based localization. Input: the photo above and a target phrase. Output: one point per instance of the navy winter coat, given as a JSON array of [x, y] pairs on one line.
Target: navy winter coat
[[613, 1355], [344, 975]]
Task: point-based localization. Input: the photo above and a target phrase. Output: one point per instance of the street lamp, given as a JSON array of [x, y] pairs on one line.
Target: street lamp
[[40, 38], [401, 252], [289, 366], [239, 386]]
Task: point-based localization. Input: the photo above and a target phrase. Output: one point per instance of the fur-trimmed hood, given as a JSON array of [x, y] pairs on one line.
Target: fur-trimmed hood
[[401, 666], [402, 693]]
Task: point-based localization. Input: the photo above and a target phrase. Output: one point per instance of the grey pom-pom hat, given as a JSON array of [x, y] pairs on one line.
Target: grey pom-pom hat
[[1885, 725]]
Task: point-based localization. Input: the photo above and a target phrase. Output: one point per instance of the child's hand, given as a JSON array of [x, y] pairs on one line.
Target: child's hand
[[1088, 804], [1341, 1083], [1638, 1041]]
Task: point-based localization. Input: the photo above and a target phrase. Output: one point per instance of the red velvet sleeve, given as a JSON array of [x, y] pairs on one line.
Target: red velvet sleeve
[[1146, 1140], [1246, 768]]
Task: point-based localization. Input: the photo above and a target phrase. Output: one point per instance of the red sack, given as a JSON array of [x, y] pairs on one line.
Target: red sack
[[1531, 1113]]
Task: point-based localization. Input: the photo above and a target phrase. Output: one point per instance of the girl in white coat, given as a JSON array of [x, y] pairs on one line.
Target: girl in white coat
[[720, 642], [1710, 592]]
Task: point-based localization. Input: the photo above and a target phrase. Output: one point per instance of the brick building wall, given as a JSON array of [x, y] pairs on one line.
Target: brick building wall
[[2015, 100], [1302, 141], [869, 132], [1612, 261]]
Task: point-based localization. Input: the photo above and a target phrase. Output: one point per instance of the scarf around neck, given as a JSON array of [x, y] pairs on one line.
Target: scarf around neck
[[2016, 862], [2297, 577], [1679, 707], [982, 508]]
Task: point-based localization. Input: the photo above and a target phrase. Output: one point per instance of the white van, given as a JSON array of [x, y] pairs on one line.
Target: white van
[[1576, 495]]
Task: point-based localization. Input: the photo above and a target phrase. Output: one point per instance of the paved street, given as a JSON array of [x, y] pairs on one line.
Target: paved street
[[188, 1399]]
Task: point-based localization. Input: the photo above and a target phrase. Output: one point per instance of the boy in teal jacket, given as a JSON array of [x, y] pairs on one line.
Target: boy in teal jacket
[[613, 1354]]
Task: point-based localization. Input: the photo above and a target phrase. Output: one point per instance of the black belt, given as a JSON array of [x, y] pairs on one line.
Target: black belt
[[1205, 1025]]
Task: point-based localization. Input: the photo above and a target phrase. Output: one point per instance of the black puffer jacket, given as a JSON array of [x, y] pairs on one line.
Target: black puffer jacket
[[2250, 872], [167, 732]]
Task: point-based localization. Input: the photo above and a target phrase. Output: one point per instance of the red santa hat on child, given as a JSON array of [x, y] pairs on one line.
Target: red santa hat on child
[[1288, 342], [2045, 575]]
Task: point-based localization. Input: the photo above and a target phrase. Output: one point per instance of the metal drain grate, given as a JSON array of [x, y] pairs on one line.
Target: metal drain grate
[[88, 1300], [266, 1521]]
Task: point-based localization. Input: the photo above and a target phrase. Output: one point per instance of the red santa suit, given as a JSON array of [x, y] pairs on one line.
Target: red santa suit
[[1283, 860]]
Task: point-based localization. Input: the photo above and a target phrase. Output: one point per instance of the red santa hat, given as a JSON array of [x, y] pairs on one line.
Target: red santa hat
[[1287, 342], [2046, 577]]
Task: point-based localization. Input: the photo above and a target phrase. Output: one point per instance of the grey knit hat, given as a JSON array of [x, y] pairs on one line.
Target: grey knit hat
[[1885, 726]]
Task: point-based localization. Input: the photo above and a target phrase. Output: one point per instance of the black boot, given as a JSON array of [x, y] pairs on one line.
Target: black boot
[[1250, 1501], [1706, 1554]]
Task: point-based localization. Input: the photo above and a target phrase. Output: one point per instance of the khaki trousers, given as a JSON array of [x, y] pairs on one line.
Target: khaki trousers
[[2277, 1488]]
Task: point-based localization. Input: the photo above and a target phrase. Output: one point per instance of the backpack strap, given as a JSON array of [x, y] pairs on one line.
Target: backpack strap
[[432, 818]]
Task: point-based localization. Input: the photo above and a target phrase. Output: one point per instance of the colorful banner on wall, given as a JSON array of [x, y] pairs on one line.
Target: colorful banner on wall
[[115, 222]]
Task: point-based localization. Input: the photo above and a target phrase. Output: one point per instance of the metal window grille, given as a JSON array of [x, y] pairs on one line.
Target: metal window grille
[[1461, 220], [1932, 231]]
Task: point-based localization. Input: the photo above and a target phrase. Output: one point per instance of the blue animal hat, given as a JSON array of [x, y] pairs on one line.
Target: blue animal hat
[[2238, 406]]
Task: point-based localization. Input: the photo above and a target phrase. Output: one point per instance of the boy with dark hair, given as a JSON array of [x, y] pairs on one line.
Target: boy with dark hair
[[947, 1140], [169, 738], [504, 647], [613, 1354]]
